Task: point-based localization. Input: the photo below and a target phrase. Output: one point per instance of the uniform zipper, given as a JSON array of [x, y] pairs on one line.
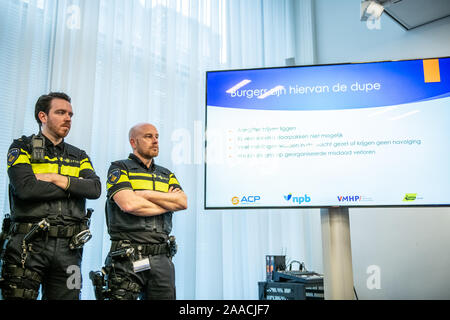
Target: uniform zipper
[[59, 172]]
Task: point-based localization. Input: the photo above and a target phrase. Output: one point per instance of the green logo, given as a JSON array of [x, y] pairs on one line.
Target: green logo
[[410, 197]]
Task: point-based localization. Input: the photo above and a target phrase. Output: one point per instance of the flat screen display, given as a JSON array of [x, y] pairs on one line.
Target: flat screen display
[[359, 134]]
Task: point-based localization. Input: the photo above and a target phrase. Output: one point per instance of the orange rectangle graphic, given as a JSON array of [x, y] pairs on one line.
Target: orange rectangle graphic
[[431, 70]]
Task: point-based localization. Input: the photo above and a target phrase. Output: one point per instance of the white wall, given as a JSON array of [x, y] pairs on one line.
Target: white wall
[[411, 247], [341, 37]]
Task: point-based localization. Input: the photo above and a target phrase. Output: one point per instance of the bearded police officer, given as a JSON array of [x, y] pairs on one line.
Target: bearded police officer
[[50, 181], [142, 197]]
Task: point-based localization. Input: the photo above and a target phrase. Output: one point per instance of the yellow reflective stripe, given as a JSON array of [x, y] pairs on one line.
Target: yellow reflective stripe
[[21, 159], [123, 177], [70, 171], [44, 167], [51, 159], [26, 152], [53, 168], [24, 157], [51, 165], [161, 186], [148, 185], [142, 184], [140, 174], [147, 175], [173, 180], [86, 165]]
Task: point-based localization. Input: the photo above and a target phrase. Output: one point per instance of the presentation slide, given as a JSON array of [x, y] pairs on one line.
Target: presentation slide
[[363, 134]]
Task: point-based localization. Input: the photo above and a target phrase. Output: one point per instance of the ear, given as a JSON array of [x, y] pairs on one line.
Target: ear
[[133, 143], [42, 117]]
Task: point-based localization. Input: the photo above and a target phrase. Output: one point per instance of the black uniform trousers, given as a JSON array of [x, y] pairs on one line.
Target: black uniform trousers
[[58, 267], [157, 283]]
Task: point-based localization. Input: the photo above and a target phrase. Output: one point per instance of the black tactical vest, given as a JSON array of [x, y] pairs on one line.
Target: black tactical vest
[[120, 223], [71, 208]]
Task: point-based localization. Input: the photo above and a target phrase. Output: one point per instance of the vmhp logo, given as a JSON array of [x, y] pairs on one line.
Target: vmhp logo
[[295, 199], [349, 198]]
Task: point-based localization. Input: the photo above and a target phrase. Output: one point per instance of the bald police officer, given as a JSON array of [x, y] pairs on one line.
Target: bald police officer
[[141, 199]]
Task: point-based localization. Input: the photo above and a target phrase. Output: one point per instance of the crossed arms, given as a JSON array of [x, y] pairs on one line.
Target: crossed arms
[[140, 202], [149, 202], [51, 186]]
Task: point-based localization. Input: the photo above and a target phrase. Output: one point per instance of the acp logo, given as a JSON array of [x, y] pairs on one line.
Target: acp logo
[[245, 200], [235, 200], [349, 198], [298, 200]]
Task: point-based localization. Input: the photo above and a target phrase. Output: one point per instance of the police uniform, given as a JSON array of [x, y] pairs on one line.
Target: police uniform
[[148, 236], [49, 260]]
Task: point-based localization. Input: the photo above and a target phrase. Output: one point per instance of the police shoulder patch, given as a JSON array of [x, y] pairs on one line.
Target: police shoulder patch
[[13, 155], [114, 176]]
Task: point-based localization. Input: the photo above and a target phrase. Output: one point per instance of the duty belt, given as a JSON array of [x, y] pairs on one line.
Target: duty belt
[[17, 272], [143, 249], [53, 231]]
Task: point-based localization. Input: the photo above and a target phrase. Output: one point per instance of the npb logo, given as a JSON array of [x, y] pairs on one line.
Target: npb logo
[[299, 200]]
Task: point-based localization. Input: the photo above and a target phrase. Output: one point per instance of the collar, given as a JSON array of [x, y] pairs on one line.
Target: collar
[[49, 144], [133, 157]]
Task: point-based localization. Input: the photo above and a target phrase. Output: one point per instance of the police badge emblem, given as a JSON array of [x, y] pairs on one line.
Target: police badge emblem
[[114, 176], [13, 154]]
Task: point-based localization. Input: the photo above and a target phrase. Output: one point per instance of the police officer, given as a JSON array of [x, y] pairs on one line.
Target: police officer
[[50, 181], [142, 197]]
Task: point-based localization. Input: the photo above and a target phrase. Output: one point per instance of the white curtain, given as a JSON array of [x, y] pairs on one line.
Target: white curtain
[[26, 29], [125, 62]]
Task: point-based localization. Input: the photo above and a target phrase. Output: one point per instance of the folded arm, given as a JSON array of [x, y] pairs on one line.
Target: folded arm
[[45, 185], [128, 201], [174, 200], [27, 186], [89, 188], [86, 185], [57, 179]]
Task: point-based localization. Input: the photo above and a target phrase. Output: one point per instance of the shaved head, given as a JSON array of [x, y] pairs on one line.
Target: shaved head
[[143, 139], [138, 128]]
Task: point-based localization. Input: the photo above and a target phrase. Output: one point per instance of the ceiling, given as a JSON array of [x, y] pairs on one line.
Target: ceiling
[[414, 13]]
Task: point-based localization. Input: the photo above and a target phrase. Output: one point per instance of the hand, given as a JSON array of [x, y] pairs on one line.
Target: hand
[[55, 178], [175, 190]]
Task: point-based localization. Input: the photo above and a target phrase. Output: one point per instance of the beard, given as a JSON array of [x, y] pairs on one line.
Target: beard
[[148, 152], [61, 131]]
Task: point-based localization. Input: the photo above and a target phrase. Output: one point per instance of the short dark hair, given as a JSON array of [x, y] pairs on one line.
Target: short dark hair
[[43, 103]]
